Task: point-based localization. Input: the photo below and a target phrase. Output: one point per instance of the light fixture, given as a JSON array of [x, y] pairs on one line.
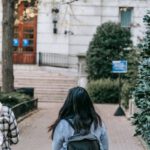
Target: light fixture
[[55, 13], [68, 32]]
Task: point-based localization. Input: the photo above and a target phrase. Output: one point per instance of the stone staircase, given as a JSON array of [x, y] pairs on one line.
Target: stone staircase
[[50, 85]]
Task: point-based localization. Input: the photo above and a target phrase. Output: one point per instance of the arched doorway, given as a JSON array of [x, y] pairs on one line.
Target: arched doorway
[[25, 33]]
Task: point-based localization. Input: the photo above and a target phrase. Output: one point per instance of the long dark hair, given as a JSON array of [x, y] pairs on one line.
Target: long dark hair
[[79, 107]]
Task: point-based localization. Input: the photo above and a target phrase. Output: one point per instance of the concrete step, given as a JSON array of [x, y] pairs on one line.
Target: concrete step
[[30, 74], [49, 86], [44, 86], [51, 99], [48, 93]]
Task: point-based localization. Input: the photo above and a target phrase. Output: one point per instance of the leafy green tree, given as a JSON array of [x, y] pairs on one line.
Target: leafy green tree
[[107, 44], [142, 90]]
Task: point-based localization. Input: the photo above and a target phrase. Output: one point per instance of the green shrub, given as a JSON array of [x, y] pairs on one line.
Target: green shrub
[[104, 91], [142, 122], [107, 44], [142, 90], [13, 98]]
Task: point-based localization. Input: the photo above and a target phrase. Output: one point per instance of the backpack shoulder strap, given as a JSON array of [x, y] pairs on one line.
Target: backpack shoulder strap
[[70, 122], [1, 109]]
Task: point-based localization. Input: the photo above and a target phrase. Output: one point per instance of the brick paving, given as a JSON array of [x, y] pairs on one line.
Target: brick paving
[[34, 136], [120, 130]]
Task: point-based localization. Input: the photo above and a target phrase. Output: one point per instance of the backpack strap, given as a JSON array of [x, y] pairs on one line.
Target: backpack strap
[[70, 122], [1, 107]]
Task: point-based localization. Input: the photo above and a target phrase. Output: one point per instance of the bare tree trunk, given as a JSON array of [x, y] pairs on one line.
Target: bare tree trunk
[[7, 46]]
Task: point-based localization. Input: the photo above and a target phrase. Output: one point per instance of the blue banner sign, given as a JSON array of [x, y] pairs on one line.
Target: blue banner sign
[[119, 66], [15, 42], [25, 42]]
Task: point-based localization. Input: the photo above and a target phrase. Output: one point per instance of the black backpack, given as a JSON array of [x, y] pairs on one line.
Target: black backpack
[[82, 141]]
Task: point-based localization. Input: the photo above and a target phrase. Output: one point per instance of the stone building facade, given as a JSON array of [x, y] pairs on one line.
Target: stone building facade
[[67, 32]]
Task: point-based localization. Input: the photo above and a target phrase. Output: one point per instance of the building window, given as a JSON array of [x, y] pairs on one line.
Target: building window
[[125, 16]]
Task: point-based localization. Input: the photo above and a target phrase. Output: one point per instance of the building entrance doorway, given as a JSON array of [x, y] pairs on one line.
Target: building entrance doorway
[[25, 33]]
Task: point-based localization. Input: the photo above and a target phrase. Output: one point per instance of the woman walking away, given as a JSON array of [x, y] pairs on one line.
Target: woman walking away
[[77, 116]]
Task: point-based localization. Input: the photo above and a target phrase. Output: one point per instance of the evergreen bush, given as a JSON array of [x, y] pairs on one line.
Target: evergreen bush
[[104, 91], [108, 42], [13, 98], [142, 90]]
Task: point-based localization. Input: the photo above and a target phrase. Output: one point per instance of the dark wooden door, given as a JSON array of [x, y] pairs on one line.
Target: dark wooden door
[[25, 37]]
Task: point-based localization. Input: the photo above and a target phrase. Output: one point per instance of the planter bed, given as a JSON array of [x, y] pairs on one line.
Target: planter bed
[[25, 107], [21, 101]]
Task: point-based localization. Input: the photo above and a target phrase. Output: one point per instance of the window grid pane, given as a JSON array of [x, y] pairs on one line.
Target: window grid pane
[[126, 17]]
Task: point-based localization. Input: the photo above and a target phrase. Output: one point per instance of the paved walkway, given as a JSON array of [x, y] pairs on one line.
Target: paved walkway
[[34, 136]]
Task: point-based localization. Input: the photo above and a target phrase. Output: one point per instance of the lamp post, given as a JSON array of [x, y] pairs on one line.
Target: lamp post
[[55, 13]]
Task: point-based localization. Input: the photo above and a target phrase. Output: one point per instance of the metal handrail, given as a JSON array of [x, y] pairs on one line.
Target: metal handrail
[[56, 60]]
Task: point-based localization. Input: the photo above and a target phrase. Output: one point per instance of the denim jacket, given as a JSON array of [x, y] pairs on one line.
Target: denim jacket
[[63, 131]]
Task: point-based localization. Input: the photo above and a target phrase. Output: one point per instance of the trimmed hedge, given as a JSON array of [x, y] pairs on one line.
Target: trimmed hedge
[[26, 90], [25, 107], [20, 103], [104, 91], [13, 98]]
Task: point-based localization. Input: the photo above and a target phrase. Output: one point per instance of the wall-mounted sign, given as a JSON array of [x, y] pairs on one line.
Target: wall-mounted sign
[[15, 42], [119, 66], [25, 42]]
